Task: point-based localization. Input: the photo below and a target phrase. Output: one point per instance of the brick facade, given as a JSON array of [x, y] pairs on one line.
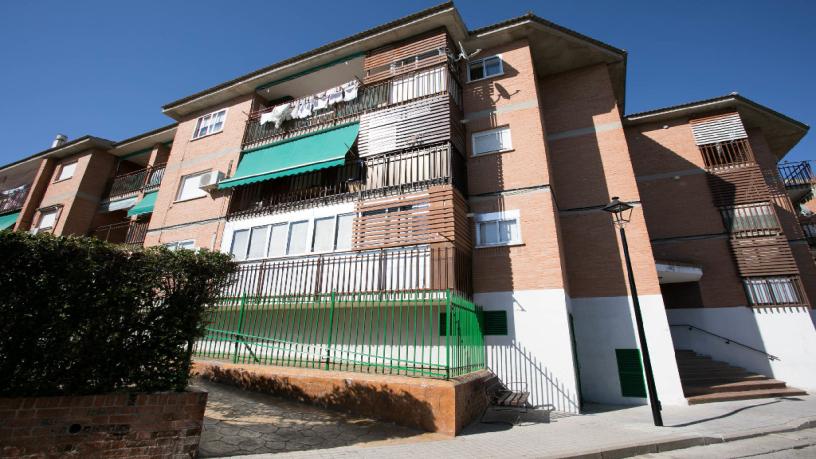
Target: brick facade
[[114, 425]]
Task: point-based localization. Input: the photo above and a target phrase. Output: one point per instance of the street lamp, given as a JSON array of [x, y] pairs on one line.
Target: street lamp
[[621, 214]]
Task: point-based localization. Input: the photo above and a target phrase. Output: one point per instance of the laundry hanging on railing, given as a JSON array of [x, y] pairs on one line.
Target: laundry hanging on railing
[[334, 95], [278, 115], [305, 107], [350, 90]]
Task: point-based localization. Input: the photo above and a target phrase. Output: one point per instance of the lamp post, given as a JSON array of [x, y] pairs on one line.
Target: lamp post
[[621, 214]]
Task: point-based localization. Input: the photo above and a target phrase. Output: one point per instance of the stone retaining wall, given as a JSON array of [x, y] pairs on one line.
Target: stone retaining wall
[[428, 404]]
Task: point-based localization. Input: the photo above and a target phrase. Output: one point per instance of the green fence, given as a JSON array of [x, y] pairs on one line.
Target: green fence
[[429, 333]]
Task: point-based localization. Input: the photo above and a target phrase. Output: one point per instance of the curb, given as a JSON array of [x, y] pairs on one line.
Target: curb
[[690, 441]]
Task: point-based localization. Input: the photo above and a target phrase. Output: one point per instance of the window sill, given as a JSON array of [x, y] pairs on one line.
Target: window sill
[[206, 135], [491, 246], [177, 201], [479, 80], [491, 153], [62, 180]]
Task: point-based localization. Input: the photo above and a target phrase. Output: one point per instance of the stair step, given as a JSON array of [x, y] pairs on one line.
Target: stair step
[[744, 395], [736, 386], [714, 379]]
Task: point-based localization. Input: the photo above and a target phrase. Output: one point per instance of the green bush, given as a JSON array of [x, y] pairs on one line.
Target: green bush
[[82, 316]]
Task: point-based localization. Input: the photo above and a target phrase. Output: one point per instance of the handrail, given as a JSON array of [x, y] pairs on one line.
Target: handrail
[[727, 340]]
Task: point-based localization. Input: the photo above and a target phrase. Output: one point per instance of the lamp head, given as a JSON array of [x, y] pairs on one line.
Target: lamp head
[[621, 211]]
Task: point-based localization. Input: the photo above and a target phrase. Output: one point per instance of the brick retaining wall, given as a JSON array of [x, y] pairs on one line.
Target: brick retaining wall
[[122, 425]]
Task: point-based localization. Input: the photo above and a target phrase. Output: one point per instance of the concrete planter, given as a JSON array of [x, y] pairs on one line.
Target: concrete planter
[[121, 424]]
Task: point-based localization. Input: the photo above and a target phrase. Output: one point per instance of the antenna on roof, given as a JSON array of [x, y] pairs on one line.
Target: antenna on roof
[[463, 54]]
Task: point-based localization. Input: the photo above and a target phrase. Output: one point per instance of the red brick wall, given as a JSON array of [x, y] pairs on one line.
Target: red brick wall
[[122, 425], [217, 152], [590, 162]]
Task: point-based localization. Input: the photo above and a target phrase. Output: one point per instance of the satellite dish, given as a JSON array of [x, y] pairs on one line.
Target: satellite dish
[[463, 54]]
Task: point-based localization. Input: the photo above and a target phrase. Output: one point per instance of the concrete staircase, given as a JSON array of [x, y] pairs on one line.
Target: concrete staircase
[[705, 380]]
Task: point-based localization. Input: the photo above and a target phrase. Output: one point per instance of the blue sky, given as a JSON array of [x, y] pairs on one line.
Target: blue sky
[[106, 67]]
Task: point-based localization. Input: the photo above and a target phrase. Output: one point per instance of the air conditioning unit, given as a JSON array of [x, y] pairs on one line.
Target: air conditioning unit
[[210, 180]]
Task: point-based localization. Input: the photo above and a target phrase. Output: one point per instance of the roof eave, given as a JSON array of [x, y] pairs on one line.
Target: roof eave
[[180, 107]]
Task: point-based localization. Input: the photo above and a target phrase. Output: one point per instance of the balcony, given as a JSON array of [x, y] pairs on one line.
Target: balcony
[[386, 270], [129, 233], [13, 199], [374, 176], [404, 88], [726, 155], [130, 184], [798, 179]]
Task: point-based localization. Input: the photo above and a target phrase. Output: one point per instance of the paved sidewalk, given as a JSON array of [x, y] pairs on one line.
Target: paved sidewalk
[[237, 422], [612, 431], [785, 444]]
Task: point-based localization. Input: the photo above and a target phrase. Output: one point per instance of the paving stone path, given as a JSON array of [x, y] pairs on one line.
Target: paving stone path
[[238, 422]]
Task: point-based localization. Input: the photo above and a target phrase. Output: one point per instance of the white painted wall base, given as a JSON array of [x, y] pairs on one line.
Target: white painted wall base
[[537, 352], [603, 324], [787, 333]]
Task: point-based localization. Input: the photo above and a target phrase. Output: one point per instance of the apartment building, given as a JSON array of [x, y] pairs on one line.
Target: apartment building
[[400, 165]]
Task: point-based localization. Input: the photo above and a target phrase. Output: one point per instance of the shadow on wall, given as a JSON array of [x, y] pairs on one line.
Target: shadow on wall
[[377, 402], [719, 288], [520, 370]]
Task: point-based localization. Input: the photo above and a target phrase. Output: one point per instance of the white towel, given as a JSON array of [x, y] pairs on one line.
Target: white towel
[[334, 95], [321, 101], [350, 90], [266, 118]]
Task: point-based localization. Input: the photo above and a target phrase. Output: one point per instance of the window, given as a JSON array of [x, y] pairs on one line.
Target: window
[[187, 245], [485, 68], [419, 84], [492, 141], [320, 235], [772, 290], [189, 189], [277, 242], [323, 236], [297, 243], [750, 219], [211, 123], [257, 242], [48, 220], [344, 228], [67, 171], [497, 228], [240, 243]]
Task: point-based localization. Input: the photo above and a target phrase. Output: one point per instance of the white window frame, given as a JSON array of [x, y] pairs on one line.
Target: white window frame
[[60, 178], [181, 186], [489, 217], [506, 148], [175, 245], [211, 115], [42, 212], [482, 61], [235, 256]]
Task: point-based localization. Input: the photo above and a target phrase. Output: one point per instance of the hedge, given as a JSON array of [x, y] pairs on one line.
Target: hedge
[[82, 316]]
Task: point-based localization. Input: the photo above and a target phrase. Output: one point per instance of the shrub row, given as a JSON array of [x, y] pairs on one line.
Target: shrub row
[[82, 316]]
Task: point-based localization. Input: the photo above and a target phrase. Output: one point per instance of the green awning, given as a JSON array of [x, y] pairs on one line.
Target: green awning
[[298, 155], [7, 221], [145, 206]]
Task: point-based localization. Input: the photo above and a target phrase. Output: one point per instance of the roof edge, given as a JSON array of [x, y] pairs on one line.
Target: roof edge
[[327, 47], [647, 115]]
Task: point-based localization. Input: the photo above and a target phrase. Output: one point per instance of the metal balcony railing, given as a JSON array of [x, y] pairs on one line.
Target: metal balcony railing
[[374, 176], [400, 89], [147, 179], [13, 199], [727, 154], [129, 233], [796, 174], [385, 270]]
